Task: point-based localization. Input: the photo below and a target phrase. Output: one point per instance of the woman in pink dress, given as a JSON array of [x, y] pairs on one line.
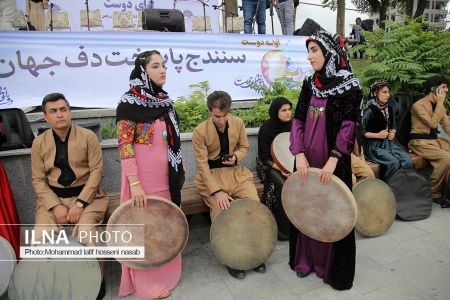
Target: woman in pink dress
[[149, 143]]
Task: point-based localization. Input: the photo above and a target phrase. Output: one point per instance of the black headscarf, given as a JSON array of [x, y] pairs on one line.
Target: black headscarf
[[144, 102], [336, 77], [271, 128]]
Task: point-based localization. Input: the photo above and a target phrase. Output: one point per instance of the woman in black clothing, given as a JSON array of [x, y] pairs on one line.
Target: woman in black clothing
[[270, 173]]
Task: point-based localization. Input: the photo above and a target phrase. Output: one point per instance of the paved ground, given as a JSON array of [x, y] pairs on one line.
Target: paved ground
[[410, 261]]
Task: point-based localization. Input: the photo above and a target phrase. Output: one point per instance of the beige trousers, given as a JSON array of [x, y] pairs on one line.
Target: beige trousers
[[360, 170], [236, 181], [91, 217], [437, 152]]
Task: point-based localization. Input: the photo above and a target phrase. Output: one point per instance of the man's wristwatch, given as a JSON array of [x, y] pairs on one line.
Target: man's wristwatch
[[80, 204]]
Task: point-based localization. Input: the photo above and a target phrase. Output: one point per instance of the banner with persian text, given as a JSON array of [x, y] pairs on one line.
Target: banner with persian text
[[189, 9], [92, 68]]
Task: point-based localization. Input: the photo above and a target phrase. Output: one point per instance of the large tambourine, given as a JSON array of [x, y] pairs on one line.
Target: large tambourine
[[281, 154], [244, 235], [62, 279], [324, 212], [376, 207], [7, 264], [165, 233]]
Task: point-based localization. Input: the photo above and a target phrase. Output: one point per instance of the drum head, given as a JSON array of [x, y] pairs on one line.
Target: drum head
[[7, 264], [376, 207], [281, 154], [244, 235], [324, 212], [166, 231], [55, 279]]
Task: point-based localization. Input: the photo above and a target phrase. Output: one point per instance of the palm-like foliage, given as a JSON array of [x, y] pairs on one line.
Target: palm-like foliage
[[406, 56]]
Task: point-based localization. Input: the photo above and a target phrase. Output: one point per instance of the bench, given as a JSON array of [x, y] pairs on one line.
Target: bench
[[419, 163], [191, 201]]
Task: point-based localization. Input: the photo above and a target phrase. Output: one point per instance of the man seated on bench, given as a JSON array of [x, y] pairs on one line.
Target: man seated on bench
[[220, 143], [426, 115], [66, 170]]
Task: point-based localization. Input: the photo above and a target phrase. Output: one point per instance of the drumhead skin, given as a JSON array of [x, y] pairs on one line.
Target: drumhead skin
[[166, 231], [376, 207], [55, 279], [324, 212], [244, 235], [7, 264], [281, 154]]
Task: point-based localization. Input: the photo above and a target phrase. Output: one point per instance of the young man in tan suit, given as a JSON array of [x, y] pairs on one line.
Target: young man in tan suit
[[220, 143], [67, 169], [426, 115]]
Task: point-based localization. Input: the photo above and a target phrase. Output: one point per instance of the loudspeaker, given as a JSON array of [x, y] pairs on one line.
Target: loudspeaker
[[368, 24], [308, 28], [163, 20], [16, 129]]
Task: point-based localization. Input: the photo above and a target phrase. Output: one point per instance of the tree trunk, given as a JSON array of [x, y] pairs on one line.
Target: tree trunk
[[383, 9], [421, 4], [340, 17]]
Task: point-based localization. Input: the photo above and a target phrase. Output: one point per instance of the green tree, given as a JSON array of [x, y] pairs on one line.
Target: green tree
[[374, 6], [406, 56]]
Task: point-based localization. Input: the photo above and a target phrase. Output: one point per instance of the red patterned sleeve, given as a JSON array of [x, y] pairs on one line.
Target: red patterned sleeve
[[125, 136]]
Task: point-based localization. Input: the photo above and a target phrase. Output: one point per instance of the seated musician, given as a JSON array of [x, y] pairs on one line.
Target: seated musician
[[273, 177], [67, 169], [220, 143], [426, 115], [379, 130]]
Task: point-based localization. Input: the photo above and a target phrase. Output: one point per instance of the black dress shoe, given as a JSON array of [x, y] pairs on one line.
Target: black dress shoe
[[260, 269], [302, 275], [238, 274], [102, 291]]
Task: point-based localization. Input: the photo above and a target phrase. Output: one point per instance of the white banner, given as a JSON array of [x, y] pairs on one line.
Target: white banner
[[92, 68], [189, 8]]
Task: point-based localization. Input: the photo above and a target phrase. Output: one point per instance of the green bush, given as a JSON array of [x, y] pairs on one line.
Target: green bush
[[193, 109], [109, 131], [405, 56], [282, 87]]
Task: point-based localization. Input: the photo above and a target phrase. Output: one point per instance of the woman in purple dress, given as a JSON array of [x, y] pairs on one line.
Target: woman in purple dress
[[322, 136]]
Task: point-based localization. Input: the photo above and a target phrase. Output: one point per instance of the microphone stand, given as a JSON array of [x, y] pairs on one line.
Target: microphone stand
[[204, 12], [51, 16], [87, 13], [271, 15]]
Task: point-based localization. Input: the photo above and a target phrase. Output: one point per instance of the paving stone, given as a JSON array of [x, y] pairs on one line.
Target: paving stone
[[425, 273], [399, 291], [371, 275]]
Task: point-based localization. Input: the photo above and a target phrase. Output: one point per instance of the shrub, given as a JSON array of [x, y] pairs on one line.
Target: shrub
[[109, 131], [405, 56], [193, 109], [282, 87]]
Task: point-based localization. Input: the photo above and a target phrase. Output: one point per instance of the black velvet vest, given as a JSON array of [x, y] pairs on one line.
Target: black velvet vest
[[378, 122]]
